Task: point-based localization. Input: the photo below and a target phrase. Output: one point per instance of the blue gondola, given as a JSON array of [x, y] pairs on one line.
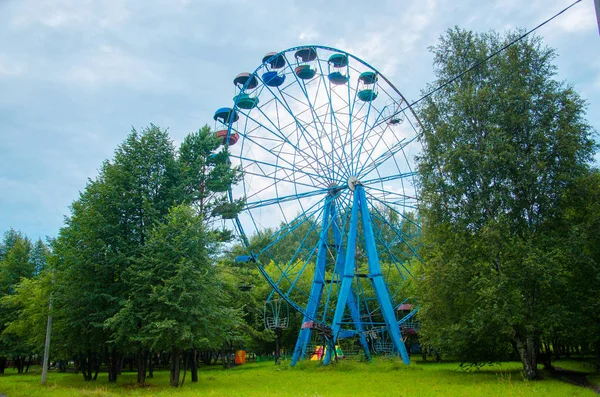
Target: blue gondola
[[274, 76], [226, 115]]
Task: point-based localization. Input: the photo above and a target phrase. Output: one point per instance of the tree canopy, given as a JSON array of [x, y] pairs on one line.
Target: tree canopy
[[502, 146]]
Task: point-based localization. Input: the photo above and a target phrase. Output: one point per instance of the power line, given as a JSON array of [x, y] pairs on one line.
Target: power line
[[476, 64]]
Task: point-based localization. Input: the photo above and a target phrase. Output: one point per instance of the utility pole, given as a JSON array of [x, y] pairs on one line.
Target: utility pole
[[597, 2], [48, 334]]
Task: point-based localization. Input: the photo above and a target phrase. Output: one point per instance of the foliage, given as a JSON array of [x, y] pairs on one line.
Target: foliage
[[20, 262], [501, 146]]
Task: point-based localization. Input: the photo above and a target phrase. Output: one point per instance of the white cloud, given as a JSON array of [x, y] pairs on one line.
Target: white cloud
[[10, 67], [580, 18], [109, 65]]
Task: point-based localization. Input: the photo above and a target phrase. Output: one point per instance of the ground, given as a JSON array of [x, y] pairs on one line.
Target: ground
[[349, 378]]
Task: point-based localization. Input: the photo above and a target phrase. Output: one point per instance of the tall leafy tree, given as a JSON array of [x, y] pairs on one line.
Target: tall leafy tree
[[105, 235], [206, 175], [578, 228], [176, 302], [501, 146]]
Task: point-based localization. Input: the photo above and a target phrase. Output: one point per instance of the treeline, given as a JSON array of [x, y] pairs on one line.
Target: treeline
[[133, 275]]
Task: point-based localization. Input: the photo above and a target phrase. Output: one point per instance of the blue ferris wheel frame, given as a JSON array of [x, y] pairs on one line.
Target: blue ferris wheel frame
[[359, 205]]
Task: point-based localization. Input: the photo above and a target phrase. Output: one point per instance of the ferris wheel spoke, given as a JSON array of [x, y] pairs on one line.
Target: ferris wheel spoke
[[400, 214], [379, 236], [389, 178], [400, 196], [331, 114], [352, 112], [404, 217], [381, 159], [372, 132], [365, 136], [290, 228], [271, 178], [304, 132], [283, 103], [281, 136], [316, 119], [263, 163], [267, 150], [264, 203], [304, 91], [293, 262]]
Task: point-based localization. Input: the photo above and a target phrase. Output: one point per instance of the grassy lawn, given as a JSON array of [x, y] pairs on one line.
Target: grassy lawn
[[348, 378]]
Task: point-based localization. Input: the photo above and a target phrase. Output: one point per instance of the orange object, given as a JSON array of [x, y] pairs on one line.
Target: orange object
[[240, 357]]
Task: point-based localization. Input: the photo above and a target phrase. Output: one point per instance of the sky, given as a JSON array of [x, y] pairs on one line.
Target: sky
[[77, 75]]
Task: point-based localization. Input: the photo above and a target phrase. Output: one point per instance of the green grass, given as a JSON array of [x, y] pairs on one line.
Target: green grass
[[347, 378]]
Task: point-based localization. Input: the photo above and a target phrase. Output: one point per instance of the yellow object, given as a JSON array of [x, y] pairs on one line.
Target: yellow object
[[320, 352]]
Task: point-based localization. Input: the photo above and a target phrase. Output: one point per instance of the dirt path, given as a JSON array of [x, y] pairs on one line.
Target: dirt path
[[574, 377]]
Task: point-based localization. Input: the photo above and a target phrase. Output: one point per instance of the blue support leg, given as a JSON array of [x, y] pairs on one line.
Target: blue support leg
[[352, 301], [375, 274], [347, 277], [316, 290]]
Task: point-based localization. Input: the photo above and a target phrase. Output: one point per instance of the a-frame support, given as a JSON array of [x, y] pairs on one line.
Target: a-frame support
[[330, 219], [360, 204], [345, 265]]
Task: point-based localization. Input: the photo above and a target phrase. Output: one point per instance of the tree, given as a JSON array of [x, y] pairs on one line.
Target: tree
[[501, 146], [207, 175], [578, 228], [105, 236], [15, 266], [201, 174], [176, 302]]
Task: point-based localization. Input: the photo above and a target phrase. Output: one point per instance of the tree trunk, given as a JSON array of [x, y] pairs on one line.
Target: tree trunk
[[142, 358], [225, 357], [546, 357], [194, 368], [207, 357], [2, 364], [277, 347], [527, 349], [112, 364], [86, 367], [597, 354], [556, 350], [20, 362], [151, 365], [186, 363], [175, 366], [97, 364]]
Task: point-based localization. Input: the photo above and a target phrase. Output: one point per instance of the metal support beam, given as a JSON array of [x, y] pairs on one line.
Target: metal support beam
[[378, 283], [317, 287]]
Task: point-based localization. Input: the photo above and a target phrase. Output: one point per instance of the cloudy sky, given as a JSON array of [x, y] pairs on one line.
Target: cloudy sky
[[76, 75]]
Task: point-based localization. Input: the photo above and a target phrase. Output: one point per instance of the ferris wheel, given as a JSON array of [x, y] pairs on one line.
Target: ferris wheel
[[325, 143]]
